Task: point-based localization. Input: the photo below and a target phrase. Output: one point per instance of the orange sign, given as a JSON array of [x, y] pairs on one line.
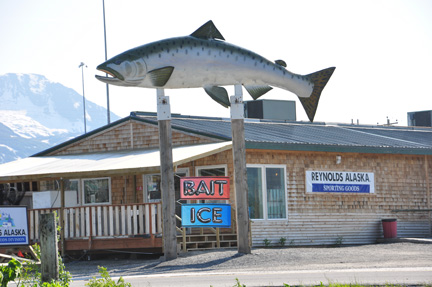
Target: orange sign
[[205, 187]]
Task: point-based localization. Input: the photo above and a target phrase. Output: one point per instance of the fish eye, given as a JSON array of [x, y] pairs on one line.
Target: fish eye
[[118, 62]]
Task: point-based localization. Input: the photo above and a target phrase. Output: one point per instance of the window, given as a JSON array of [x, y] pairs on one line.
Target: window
[[217, 170], [267, 192], [214, 170], [152, 185], [97, 190]]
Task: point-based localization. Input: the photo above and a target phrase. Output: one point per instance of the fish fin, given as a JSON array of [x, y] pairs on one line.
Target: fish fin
[[257, 91], [159, 77], [319, 80], [218, 94], [208, 31], [281, 63]]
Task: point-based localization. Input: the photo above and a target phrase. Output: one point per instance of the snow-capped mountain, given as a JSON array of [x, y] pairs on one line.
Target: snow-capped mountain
[[36, 114]]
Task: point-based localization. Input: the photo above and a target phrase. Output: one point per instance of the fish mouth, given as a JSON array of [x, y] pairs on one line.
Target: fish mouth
[[115, 79], [113, 73]]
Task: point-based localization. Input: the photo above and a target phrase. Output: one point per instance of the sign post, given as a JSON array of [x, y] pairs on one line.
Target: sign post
[[167, 176], [49, 247], [239, 156]]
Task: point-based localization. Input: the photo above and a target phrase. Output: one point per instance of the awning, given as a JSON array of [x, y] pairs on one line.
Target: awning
[[101, 164]]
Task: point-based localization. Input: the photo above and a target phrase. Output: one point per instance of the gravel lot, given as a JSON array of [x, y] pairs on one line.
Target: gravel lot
[[290, 258]]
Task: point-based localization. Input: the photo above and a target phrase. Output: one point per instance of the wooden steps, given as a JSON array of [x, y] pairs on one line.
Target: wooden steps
[[207, 241]]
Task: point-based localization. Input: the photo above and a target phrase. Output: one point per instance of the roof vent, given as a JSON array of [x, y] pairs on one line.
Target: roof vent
[[420, 119], [270, 110]]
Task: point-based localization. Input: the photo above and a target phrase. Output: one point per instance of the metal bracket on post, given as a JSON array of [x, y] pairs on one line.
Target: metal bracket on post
[[163, 106], [237, 106]]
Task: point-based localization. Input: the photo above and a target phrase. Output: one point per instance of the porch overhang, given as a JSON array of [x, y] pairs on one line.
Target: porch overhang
[[101, 163]]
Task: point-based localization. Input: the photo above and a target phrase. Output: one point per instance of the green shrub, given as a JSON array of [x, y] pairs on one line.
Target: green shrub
[[282, 241], [31, 277], [10, 272], [106, 280]]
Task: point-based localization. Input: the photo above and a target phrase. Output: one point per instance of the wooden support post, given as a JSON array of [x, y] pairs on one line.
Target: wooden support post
[[218, 237], [428, 193], [167, 176], [62, 217], [49, 247], [239, 156], [184, 239]]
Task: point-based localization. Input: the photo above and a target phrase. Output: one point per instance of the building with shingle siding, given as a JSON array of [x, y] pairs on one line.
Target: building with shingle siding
[[309, 183]]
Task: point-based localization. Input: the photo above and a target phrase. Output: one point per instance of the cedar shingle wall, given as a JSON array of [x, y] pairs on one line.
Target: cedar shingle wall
[[325, 218], [123, 190], [400, 183], [129, 135]]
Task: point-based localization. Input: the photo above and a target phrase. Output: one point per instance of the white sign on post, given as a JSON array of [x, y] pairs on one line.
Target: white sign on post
[[13, 225]]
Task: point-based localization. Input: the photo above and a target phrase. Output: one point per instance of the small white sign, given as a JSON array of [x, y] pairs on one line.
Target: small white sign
[[13, 225], [340, 181]]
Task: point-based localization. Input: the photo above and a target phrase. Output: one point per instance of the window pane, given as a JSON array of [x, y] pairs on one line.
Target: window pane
[[275, 193], [220, 171], [255, 193], [153, 187], [96, 191]]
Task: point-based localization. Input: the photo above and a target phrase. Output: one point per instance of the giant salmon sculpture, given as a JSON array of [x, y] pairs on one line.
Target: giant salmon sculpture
[[201, 60]]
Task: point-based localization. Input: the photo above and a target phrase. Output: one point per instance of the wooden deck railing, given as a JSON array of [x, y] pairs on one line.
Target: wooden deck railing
[[103, 221]]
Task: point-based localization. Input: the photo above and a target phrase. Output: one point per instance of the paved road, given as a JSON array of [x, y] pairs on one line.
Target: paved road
[[401, 263], [279, 278]]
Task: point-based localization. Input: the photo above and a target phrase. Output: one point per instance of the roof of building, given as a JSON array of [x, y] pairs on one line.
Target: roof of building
[[302, 136], [102, 163], [274, 134]]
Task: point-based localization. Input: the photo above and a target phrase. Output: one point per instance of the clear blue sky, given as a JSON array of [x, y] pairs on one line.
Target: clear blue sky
[[382, 49]]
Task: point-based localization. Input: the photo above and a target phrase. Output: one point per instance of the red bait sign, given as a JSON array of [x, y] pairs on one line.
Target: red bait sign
[[205, 187]]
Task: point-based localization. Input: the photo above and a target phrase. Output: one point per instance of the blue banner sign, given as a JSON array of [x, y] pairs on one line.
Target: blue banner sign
[[340, 181], [206, 215]]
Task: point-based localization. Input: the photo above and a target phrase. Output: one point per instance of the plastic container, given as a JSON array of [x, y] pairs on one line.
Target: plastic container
[[389, 228]]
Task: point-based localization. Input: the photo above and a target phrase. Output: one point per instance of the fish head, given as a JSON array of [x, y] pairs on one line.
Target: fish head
[[125, 69]]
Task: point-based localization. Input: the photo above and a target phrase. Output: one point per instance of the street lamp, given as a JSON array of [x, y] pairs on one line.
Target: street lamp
[[82, 74], [107, 88]]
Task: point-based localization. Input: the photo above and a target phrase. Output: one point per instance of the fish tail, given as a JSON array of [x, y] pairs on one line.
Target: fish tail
[[319, 80]]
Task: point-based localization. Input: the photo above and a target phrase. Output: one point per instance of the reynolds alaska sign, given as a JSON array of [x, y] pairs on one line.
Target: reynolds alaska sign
[[340, 181]]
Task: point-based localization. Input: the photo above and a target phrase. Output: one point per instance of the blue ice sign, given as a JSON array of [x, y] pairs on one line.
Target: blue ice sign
[[206, 215]]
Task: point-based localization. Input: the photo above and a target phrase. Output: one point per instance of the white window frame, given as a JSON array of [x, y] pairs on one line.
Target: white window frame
[[184, 170], [96, 203], [197, 168], [225, 167], [264, 190]]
